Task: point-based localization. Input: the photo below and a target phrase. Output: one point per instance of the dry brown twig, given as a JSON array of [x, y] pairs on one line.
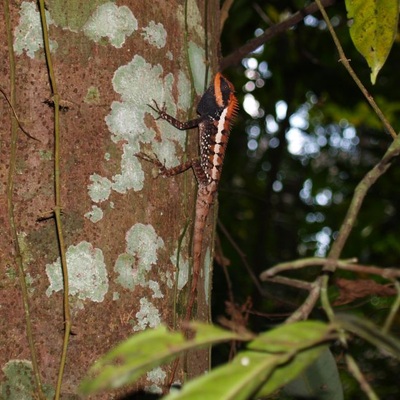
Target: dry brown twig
[[347, 265], [16, 116]]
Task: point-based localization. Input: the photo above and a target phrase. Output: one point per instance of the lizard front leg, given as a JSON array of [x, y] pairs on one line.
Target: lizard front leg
[[162, 114]]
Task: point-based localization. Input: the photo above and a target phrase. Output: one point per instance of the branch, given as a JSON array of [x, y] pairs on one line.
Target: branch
[[225, 12], [359, 194], [332, 262], [347, 265], [297, 264], [296, 283], [361, 379], [237, 56], [393, 310], [305, 309]]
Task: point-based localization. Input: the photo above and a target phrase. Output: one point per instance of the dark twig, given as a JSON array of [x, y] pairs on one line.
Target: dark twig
[[243, 258], [305, 309], [359, 194], [237, 56], [16, 117], [332, 262]]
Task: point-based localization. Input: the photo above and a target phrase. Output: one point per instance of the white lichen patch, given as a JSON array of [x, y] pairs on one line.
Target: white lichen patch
[[128, 123], [155, 288], [183, 275], [197, 60], [25, 248], [181, 266], [112, 22], [18, 382], [30, 280], [132, 175], [184, 95], [126, 120], [116, 296], [100, 188], [28, 33], [133, 266], [92, 95], [169, 279], [147, 317], [87, 273], [207, 274], [95, 215], [157, 377], [155, 34]]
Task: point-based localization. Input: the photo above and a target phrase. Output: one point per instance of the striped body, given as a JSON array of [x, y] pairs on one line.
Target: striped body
[[216, 110]]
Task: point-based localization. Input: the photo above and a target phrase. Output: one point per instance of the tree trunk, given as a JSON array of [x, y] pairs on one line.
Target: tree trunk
[[126, 233]]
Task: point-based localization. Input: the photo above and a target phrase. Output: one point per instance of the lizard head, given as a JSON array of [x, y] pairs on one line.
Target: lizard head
[[218, 97]]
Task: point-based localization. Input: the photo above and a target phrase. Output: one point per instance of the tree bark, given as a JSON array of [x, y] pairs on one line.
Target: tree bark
[[127, 232]]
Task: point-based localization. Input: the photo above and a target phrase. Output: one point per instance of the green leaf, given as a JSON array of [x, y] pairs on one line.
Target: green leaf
[[296, 336], [373, 30], [236, 380], [143, 351], [370, 332], [246, 374], [319, 381], [285, 373], [271, 361]]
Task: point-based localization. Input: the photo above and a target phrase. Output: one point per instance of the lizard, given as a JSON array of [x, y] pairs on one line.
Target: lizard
[[216, 109]]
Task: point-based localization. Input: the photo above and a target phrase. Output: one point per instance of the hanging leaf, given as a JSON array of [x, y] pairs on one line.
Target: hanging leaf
[[246, 374], [236, 380], [272, 360], [373, 30], [296, 336], [320, 380], [370, 332], [143, 351]]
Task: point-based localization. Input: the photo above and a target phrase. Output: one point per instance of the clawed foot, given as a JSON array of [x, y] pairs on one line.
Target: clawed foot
[[153, 159], [160, 111]]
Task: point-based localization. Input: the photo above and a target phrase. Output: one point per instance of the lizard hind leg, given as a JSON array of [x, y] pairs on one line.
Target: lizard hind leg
[[201, 175], [176, 170]]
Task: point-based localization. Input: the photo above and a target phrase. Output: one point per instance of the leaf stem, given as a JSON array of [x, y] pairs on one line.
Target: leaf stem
[[358, 375], [346, 63], [393, 310]]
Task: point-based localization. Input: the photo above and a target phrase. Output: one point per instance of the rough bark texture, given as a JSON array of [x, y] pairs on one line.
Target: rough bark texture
[[122, 226]]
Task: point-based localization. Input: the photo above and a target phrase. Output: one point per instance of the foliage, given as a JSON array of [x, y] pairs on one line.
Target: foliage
[[311, 139], [269, 361], [147, 350], [373, 30]]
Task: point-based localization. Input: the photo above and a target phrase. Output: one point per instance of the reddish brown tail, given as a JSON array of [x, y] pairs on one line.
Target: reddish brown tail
[[205, 198]]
